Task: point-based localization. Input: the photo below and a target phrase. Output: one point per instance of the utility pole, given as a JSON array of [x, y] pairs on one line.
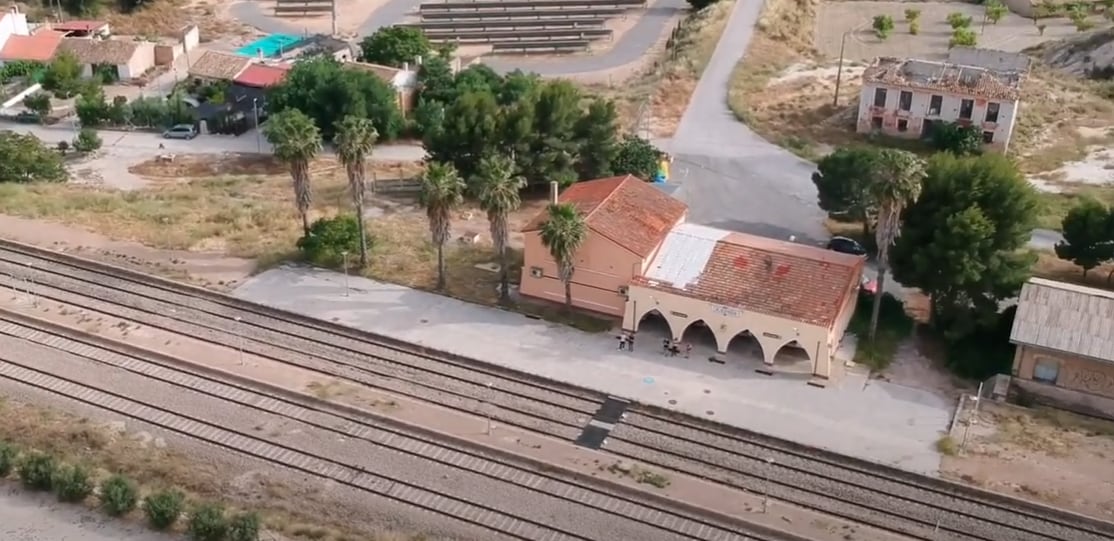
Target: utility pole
[[839, 71], [334, 5], [255, 111]]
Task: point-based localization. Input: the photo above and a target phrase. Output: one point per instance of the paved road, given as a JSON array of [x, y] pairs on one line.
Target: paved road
[[632, 45]]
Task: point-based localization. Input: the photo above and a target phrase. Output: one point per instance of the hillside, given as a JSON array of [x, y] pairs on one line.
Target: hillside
[[1079, 55]]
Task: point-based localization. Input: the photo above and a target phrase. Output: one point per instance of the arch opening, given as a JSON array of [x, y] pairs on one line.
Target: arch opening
[[700, 335], [653, 324], [745, 344], [793, 355]]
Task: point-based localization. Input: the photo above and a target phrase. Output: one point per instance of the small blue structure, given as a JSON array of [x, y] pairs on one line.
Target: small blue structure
[[270, 46]]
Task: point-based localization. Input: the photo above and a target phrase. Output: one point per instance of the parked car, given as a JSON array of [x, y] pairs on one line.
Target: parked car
[[181, 131], [845, 245]]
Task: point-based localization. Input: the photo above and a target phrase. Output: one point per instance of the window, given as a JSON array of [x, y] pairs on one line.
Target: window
[[905, 101], [934, 105], [1046, 370], [966, 107], [536, 272], [992, 112], [879, 97], [987, 137], [876, 123], [902, 124]]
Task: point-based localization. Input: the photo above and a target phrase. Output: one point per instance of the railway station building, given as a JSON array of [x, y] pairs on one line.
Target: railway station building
[[778, 301]]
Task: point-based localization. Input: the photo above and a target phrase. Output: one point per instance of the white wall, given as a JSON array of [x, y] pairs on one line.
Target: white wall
[[18, 98], [919, 111], [13, 24], [141, 60]]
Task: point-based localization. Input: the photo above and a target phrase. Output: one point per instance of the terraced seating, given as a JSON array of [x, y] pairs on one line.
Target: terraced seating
[[296, 9], [481, 5], [541, 47], [589, 13], [510, 36], [529, 24]]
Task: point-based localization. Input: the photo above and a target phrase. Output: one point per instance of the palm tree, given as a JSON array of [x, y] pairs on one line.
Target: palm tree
[[897, 182], [497, 187], [442, 191], [354, 139], [296, 140], [563, 233]]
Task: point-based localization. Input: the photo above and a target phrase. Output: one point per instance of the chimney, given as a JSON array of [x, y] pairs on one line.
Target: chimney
[[553, 192]]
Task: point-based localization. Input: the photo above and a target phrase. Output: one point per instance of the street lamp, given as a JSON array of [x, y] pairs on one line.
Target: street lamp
[[344, 254], [766, 484], [839, 71], [240, 338]]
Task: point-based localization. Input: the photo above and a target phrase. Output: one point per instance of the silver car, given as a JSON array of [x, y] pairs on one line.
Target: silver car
[[181, 131]]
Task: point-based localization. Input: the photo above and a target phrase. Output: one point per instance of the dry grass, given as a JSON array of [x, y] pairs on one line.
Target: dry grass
[[1051, 267], [655, 101], [1061, 117], [1045, 430], [285, 509], [1054, 206], [167, 17]]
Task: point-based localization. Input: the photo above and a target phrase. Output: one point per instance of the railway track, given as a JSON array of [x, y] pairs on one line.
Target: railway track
[[884, 497], [546, 506]]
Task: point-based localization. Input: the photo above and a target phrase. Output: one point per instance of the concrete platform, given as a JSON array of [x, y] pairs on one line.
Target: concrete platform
[[854, 415]]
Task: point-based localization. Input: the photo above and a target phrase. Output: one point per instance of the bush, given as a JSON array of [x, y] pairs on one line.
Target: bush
[[883, 25], [912, 15], [7, 458], [329, 238], [995, 10], [207, 523], [38, 103], [958, 20], [119, 495], [63, 147], [985, 351], [72, 483], [36, 470], [163, 508], [87, 140], [914, 27], [244, 527], [963, 37], [959, 140]]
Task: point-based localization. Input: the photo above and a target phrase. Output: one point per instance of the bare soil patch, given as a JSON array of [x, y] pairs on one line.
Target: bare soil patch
[[1046, 455], [167, 17], [1051, 267]]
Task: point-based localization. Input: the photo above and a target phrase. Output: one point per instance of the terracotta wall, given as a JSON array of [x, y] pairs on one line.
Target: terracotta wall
[[603, 268], [1074, 373]]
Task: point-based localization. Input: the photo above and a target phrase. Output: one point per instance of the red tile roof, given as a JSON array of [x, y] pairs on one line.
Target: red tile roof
[[78, 26], [627, 210], [39, 47], [262, 76], [774, 277]]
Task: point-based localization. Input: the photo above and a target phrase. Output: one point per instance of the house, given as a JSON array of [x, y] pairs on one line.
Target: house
[[321, 44], [262, 75], [778, 295], [404, 80], [1064, 335], [907, 98], [13, 23], [217, 66], [38, 47], [128, 59], [82, 29], [627, 221]]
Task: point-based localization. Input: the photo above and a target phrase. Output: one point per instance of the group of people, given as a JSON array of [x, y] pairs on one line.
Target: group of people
[[671, 348]]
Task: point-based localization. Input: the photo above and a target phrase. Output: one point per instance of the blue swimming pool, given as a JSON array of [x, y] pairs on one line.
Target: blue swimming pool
[[270, 46]]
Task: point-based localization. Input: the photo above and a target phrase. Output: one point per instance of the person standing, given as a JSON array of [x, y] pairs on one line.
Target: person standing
[[688, 350], [630, 342], [622, 342]]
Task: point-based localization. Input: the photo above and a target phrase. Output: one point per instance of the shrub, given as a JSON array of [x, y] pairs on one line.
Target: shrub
[[963, 37], [36, 470], [1083, 25], [911, 15], [959, 140], [87, 140], [72, 483], [329, 238], [7, 458], [163, 508], [119, 495], [946, 445], [38, 103], [244, 527], [883, 25], [207, 523], [1041, 27], [958, 20], [995, 10], [914, 28], [63, 147]]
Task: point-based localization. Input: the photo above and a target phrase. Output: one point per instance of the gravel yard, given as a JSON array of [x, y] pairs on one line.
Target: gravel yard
[[26, 516]]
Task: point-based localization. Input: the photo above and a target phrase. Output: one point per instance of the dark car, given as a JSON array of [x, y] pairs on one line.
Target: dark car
[[845, 245]]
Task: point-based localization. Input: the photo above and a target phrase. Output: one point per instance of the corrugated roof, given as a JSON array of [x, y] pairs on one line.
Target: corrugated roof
[[627, 210], [100, 51], [1065, 317], [769, 276], [262, 75], [217, 65], [39, 47]]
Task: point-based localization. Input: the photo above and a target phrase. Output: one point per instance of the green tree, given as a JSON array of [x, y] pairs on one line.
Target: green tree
[[296, 141], [395, 45], [636, 156], [596, 131], [883, 25], [87, 140], [355, 140], [962, 241], [1088, 236], [38, 103], [63, 75], [27, 159], [844, 183], [442, 191], [957, 139], [549, 149], [898, 183], [963, 37], [436, 82], [326, 91], [995, 10], [516, 86], [497, 188], [472, 129], [562, 234], [92, 109]]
